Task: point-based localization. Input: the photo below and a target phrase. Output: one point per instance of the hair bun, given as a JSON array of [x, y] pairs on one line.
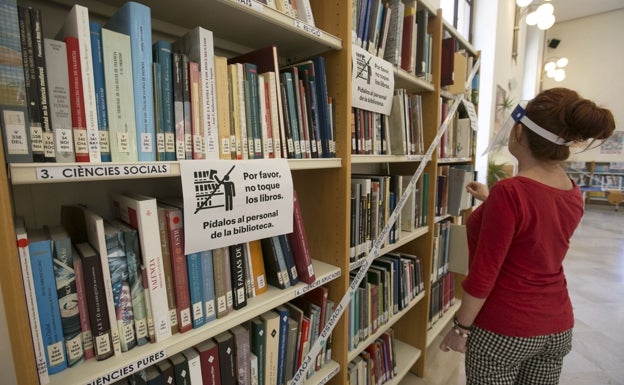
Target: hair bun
[[588, 121]]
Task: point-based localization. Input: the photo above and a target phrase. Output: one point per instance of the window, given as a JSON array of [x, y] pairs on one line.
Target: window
[[458, 13]]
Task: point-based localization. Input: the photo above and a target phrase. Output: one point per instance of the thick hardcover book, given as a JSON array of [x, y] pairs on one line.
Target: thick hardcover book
[[197, 130], [83, 308], [282, 311], [168, 269], [77, 25], [299, 243], [31, 300], [175, 232], [242, 354], [196, 288], [100, 89], [272, 331], [194, 366], [180, 369], [67, 293], [162, 52], [166, 371], [60, 106], [135, 20], [257, 267], [408, 42], [209, 359], [222, 281], [120, 96], [30, 81], [130, 243], [257, 329], [274, 263], [14, 122], [140, 212], [199, 46], [94, 287], [226, 151], [447, 60], [100, 239], [238, 275], [322, 99], [227, 364], [289, 259], [76, 100], [210, 309]]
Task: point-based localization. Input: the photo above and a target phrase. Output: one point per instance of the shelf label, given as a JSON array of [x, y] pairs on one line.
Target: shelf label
[[228, 202], [130, 368], [101, 171], [372, 82], [256, 6], [307, 28], [317, 283]]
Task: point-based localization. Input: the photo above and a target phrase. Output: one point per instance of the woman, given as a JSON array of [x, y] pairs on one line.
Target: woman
[[515, 320]]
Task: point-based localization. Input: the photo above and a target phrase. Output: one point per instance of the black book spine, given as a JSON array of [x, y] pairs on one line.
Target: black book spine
[[238, 274]]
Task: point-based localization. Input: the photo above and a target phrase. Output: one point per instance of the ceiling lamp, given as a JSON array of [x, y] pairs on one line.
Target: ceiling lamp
[[539, 13], [555, 68]]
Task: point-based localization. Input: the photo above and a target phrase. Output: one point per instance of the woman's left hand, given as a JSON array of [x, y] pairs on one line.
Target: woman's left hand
[[453, 341]]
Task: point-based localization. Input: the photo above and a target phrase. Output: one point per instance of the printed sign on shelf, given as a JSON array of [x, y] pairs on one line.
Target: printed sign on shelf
[[372, 82], [229, 202]]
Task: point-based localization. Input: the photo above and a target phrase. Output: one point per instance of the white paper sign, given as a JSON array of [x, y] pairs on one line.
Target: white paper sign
[[472, 114], [229, 202], [372, 82]]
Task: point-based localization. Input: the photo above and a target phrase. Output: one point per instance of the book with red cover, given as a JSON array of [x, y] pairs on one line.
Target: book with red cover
[[299, 243], [78, 116], [209, 361], [448, 60]]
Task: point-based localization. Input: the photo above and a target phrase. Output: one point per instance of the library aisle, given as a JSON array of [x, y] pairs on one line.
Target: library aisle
[[595, 273]]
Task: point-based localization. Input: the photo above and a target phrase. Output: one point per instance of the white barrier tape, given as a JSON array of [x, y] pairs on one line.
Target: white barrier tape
[[309, 360]]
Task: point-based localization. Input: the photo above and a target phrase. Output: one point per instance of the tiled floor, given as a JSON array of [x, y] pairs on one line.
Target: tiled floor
[[595, 274]]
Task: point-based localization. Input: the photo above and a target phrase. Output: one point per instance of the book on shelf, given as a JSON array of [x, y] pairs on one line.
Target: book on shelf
[[194, 365], [257, 330], [58, 92], [291, 121], [298, 123], [166, 371], [162, 53], [274, 263], [291, 349], [197, 130], [222, 281], [460, 72], [100, 90], [196, 288], [227, 149], [180, 369], [319, 297], [208, 289], [242, 353], [238, 275], [449, 46], [83, 308], [408, 41], [227, 364], [253, 366], [130, 243], [282, 312], [182, 143], [265, 122], [295, 316], [140, 212], [76, 95], [14, 122], [167, 265], [209, 362], [94, 286], [31, 300], [299, 244], [133, 19], [76, 25], [273, 117], [237, 114], [67, 293], [198, 44], [271, 322]]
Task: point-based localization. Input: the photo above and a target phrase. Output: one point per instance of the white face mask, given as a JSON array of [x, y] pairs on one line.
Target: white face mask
[[518, 116]]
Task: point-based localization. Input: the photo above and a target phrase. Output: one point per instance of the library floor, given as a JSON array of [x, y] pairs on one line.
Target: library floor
[[595, 274]]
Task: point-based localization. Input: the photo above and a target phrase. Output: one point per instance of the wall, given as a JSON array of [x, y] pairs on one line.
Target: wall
[[593, 46]]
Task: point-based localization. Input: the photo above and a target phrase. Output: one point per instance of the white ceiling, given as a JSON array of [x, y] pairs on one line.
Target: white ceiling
[[573, 9]]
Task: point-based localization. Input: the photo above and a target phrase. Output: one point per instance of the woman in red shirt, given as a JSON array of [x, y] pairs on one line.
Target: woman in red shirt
[[515, 320]]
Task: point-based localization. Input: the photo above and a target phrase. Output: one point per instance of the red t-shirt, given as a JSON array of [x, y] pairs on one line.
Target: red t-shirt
[[517, 240]]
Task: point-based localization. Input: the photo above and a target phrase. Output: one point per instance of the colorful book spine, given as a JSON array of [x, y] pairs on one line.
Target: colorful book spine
[[258, 277], [60, 106], [67, 293], [76, 96], [252, 106], [196, 288], [299, 243], [289, 259], [208, 291], [94, 289], [31, 301], [134, 19], [40, 250], [77, 25], [283, 339], [162, 52], [209, 359], [175, 232], [167, 267], [257, 329], [238, 275], [274, 262], [13, 109], [100, 89], [83, 308], [120, 96]]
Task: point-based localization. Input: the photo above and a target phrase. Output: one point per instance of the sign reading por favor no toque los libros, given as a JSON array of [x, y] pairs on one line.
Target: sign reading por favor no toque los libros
[[229, 202]]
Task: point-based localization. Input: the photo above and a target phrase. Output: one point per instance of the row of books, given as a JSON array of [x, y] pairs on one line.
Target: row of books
[[442, 297], [298, 9], [441, 247], [100, 93], [396, 31], [376, 364], [400, 133], [459, 139], [451, 194], [391, 283], [267, 350], [127, 281], [373, 199]]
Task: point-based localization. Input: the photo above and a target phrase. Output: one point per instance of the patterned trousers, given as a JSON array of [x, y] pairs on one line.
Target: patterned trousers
[[494, 359]]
